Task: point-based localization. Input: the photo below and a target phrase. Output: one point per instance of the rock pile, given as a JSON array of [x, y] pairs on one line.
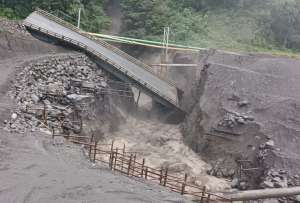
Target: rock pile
[[55, 92], [232, 119], [275, 179]]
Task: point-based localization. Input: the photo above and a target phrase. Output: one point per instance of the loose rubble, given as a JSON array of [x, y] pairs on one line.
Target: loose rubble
[[275, 179], [55, 93], [232, 119]]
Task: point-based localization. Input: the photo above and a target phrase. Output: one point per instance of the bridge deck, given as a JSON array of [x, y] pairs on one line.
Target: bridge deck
[[129, 66]]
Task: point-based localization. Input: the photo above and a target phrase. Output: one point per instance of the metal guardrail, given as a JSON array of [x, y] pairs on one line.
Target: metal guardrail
[[94, 52], [103, 43]]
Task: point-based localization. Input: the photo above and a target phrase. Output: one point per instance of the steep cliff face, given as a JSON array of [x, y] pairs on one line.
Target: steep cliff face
[[192, 125], [247, 108]]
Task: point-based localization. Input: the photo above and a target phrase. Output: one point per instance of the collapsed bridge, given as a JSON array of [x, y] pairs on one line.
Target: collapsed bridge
[[110, 58]]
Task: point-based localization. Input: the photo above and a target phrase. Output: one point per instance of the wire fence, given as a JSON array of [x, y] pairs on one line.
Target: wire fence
[[132, 165]]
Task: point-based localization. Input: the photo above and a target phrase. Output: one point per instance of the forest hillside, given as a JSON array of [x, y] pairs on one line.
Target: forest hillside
[[240, 25]]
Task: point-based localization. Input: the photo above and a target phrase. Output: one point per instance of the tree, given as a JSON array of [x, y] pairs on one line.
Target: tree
[[283, 24], [94, 18], [18, 8], [147, 18]]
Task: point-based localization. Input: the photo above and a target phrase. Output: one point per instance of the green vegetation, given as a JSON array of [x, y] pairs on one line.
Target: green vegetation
[[241, 25], [144, 18], [94, 17]]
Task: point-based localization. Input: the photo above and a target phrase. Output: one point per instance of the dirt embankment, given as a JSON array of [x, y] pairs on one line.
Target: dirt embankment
[[248, 109]]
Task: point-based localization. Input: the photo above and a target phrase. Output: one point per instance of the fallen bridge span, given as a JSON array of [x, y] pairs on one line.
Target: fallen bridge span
[[110, 58]]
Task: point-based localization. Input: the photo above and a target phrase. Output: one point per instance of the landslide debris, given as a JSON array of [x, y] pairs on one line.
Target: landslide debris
[[58, 92], [248, 110]]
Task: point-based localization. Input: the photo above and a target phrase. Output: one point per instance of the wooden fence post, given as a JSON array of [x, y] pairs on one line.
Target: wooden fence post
[[45, 114], [122, 161], [166, 177], [95, 151], [129, 164], [161, 176], [203, 194], [111, 154], [133, 165], [143, 165], [183, 185], [146, 173], [90, 150], [111, 161], [53, 135], [208, 198], [116, 157]]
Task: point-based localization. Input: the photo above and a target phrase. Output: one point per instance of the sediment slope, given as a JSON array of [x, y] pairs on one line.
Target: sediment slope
[[248, 108]]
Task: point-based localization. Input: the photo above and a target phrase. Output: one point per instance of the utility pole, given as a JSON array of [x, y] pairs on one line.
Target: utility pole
[[165, 58], [166, 42], [79, 17]]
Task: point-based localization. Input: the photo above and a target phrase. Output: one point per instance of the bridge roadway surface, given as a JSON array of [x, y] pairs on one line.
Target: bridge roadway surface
[[164, 90]]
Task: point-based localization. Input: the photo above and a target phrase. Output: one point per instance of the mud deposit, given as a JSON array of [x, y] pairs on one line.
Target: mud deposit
[[248, 109], [34, 170]]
